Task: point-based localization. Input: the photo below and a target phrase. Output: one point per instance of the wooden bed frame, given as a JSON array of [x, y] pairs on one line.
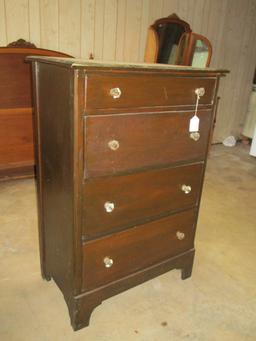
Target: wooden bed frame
[[16, 113]]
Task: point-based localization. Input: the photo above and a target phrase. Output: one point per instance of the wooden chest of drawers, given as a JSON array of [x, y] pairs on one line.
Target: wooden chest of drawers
[[119, 173]]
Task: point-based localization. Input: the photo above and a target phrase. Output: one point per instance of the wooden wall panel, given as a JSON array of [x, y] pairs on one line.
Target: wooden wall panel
[[17, 19], [3, 35], [87, 28], [109, 41], [99, 29], [120, 29], [117, 29], [132, 30], [69, 26], [34, 22], [49, 19]]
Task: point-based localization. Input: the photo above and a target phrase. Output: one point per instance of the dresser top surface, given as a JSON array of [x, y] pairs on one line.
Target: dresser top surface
[[92, 64]]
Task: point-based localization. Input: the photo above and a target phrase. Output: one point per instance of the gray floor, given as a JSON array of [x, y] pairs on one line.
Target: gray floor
[[217, 303]]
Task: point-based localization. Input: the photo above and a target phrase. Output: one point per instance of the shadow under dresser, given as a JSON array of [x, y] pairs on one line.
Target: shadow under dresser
[[120, 173]]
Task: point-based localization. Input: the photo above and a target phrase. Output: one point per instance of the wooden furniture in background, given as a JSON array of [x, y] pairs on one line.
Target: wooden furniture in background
[[119, 173], [170, 40], [16, 117]]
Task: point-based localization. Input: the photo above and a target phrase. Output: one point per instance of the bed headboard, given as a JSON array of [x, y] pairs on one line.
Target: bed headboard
[[16, 120]]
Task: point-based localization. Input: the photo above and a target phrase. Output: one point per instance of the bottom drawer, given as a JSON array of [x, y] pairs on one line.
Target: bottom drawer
[[113, 257]]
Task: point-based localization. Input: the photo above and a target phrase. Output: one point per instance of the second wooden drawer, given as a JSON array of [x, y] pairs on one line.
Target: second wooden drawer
[[113, 203], [121, 143]]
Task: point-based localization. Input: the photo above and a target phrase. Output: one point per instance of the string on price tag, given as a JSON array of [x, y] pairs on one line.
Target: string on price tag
[[194, 121]]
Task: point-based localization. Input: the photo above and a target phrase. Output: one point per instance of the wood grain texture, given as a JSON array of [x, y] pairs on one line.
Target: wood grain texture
[[137, 248], [3, 34], [110, 32], [69, 26], [161, 217], [116, 30], [143, 141], [49, 21], [136, 196], [16, 138], [34, 22], [17, 19], [87, 28], [146, 90], [16, 119]]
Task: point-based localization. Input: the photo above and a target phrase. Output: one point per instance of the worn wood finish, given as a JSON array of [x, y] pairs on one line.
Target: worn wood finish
[[143, 141], [137, 90], [84, 304], [16, 138], [16, 119], [151, 229], [55, 174], [136, 248], [136, 196]]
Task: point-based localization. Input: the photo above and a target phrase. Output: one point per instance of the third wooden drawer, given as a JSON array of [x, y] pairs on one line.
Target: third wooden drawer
[[114, 203]]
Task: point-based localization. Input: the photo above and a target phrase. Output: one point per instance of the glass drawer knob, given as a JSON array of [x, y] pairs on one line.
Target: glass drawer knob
[[108, 262], [195, 135], [109, 206], [200, 92], [115, 93], [180, 235], [113, 145], [186, 189]]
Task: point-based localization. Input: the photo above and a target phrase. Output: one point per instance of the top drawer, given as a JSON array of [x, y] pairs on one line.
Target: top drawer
[[153, 90]]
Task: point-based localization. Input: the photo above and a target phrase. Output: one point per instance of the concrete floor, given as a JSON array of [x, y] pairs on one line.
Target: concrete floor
[[217, 303]]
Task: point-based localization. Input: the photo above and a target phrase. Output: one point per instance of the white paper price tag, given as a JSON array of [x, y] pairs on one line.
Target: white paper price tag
[[194, 124]]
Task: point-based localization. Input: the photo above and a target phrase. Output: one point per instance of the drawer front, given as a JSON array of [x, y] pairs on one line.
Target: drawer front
[[115, 91], [113, 203], [113, 257], [121, 143]]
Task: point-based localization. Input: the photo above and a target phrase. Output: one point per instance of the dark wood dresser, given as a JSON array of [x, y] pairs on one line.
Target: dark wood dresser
[[120, 173]]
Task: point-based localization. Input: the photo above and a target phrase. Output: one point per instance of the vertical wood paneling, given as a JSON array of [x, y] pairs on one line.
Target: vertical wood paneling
[[99, 29], [117, 29], [143, 28], [69, 26], [3, 37], [132, 30], [34, 22], [17, 19], [185, 10], [156, 10], [49, 18], [120, 29], [110, 20], [87, 28]]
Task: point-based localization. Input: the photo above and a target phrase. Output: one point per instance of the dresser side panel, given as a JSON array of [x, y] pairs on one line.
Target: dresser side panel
[[55, 141]]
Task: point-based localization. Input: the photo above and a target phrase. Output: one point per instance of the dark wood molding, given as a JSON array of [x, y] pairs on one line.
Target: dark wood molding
[[22, 43]]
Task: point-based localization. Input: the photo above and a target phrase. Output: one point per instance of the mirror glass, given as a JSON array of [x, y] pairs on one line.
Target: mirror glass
[[169, 35], [200, 54]]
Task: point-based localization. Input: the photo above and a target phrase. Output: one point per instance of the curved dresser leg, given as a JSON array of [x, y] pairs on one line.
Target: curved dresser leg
[[82, 309]]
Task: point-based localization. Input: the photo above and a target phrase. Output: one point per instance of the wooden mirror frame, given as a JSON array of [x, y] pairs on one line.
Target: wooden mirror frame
[[153, 42], [185, 54]]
